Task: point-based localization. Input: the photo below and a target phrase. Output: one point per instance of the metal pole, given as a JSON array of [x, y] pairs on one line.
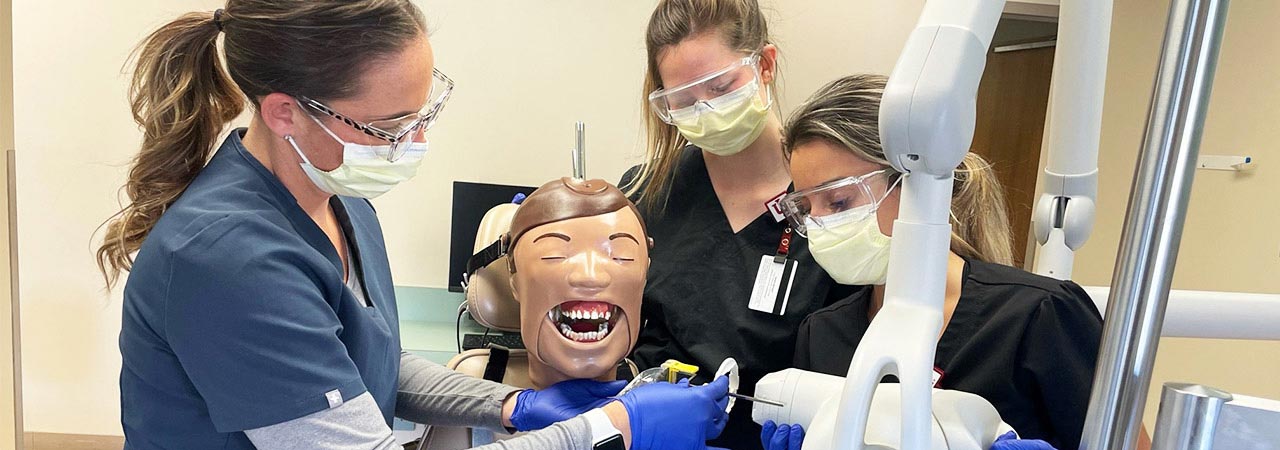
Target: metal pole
[[1153, 223], [580, 151], [1188, 417]]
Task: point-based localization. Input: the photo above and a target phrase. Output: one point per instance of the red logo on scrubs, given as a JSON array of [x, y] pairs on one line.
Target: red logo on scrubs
[[775, 207]]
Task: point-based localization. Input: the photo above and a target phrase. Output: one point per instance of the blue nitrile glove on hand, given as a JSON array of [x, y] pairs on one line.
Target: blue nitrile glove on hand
[[676, 416], [781, 437], [1010, 441], [562, 401]]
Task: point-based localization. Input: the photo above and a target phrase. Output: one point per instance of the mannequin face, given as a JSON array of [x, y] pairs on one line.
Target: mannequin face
[[579, 283]]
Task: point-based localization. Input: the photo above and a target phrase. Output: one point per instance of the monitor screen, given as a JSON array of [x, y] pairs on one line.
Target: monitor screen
[[470, 202]]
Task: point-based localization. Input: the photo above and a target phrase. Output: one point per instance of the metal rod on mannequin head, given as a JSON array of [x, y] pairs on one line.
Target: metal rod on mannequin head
[[1153, 223], [580, 151]]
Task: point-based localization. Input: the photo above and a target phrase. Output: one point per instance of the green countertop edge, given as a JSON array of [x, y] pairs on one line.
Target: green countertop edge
[[427, 321]]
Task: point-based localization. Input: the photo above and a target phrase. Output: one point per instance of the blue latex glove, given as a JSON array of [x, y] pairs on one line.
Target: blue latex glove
[[562, 401], [676, 416], [781, 437], [1010, 441]]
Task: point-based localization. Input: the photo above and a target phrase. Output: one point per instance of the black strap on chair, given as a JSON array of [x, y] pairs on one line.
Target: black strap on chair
[[487, 256], [496, 369]]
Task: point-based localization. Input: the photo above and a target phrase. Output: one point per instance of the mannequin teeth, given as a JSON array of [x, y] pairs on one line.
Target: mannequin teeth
[[566, 320]]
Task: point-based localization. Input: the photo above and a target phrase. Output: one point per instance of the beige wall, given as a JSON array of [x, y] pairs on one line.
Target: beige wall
[[525, 72], [8, 402], [1229, 242]]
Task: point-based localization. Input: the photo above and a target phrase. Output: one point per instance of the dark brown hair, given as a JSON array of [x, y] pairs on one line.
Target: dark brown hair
[[183, 98], [564, 199]]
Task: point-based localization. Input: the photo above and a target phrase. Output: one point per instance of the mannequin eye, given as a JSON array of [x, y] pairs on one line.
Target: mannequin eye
[[623, 259], [553, 258]]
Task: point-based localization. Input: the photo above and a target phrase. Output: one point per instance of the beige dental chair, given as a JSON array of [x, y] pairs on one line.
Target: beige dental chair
[[491, 304]]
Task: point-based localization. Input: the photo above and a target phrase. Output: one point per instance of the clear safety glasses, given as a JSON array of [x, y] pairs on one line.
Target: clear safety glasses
[[841, 201], [400, 131], [724, 86]]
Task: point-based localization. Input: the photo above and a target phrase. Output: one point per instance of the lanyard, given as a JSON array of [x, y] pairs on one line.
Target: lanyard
[[784, 247]]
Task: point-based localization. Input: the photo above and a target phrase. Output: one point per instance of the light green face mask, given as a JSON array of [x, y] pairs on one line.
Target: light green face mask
[[854, 251], [726, 124]]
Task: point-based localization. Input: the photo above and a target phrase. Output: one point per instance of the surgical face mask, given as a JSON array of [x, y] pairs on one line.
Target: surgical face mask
[[727, 124], [365, 171], [850, 247]]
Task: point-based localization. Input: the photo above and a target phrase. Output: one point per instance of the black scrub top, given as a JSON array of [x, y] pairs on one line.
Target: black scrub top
[[700, 282], [1027, 344]]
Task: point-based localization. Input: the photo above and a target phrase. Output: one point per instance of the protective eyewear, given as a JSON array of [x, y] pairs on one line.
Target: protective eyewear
[[841, 201], [400, 131], [689, 100]]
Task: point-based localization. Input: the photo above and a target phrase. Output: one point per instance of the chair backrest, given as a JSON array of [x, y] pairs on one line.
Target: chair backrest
[[489, 298]]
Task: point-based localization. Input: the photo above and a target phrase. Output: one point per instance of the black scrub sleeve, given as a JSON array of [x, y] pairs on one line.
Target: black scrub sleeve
[[654, 343], [801, 359], [1059, 350]]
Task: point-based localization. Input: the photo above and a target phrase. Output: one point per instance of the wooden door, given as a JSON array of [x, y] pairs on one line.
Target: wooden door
[[1013, 100]]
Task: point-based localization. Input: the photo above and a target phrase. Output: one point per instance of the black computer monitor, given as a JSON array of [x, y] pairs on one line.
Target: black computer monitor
[[470, 202]]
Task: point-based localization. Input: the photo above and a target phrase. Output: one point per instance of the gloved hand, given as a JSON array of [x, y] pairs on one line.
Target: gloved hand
[[1010, 441], [781, 437], [676, 416], [565, 400]]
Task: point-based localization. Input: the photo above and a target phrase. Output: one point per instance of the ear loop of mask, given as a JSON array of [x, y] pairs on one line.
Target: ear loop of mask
[[289, 138]]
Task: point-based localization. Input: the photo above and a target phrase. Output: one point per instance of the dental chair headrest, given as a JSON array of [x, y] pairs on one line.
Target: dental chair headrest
[[489, 297]]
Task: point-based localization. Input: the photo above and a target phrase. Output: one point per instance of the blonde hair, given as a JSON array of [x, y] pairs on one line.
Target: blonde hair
[[743, 28], [182, 97], [846, 112]]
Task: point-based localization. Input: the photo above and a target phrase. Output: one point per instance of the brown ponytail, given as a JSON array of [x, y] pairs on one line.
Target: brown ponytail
[[183, 98], [845, 112]]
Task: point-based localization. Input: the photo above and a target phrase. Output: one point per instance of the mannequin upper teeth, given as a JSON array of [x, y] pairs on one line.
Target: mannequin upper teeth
[[594, 318]]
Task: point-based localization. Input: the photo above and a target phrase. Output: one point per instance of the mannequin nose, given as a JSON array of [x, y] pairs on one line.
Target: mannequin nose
[[588, 272]]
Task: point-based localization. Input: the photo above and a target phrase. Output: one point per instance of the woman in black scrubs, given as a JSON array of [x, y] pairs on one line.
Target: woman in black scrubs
[[1025, 343], [714, 169]]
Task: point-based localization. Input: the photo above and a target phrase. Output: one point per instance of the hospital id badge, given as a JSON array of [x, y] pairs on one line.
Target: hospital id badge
[[772, 290]]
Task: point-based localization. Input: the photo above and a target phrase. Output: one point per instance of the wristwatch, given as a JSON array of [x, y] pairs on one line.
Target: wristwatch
[[604, 436]]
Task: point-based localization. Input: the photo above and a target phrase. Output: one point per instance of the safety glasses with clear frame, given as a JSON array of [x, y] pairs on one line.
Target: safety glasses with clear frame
[[733, 77], [400, 131], [840, 201]]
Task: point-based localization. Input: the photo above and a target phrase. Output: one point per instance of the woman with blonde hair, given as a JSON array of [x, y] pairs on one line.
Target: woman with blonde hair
[[729, 278]]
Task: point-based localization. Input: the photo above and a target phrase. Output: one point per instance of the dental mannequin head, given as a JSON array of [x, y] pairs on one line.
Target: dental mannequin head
[[836, 134], [579, 257]]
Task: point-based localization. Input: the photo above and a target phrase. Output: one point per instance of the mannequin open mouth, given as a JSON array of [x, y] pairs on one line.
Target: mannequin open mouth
[[585, 321]]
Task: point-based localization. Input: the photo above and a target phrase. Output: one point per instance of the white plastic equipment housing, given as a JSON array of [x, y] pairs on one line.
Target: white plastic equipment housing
[[927, 116], [1064, 214], [961, 421]]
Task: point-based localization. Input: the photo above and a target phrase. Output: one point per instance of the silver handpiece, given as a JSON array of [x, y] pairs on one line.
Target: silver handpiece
[[757, 400]]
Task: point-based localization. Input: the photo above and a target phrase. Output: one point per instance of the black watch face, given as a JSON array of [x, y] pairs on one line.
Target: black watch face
[[612, 443]]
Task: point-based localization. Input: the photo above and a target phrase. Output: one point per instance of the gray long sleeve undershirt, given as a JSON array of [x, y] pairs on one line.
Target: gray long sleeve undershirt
[[428, 393]]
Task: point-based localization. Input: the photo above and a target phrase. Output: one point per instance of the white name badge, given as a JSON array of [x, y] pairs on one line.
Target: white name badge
[[772, 289]]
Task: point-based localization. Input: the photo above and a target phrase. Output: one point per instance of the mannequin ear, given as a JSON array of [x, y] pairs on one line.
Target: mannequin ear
[[515, 293], [650, 241]]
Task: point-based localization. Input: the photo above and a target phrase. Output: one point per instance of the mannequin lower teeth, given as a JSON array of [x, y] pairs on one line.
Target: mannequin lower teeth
[[584, 321]]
